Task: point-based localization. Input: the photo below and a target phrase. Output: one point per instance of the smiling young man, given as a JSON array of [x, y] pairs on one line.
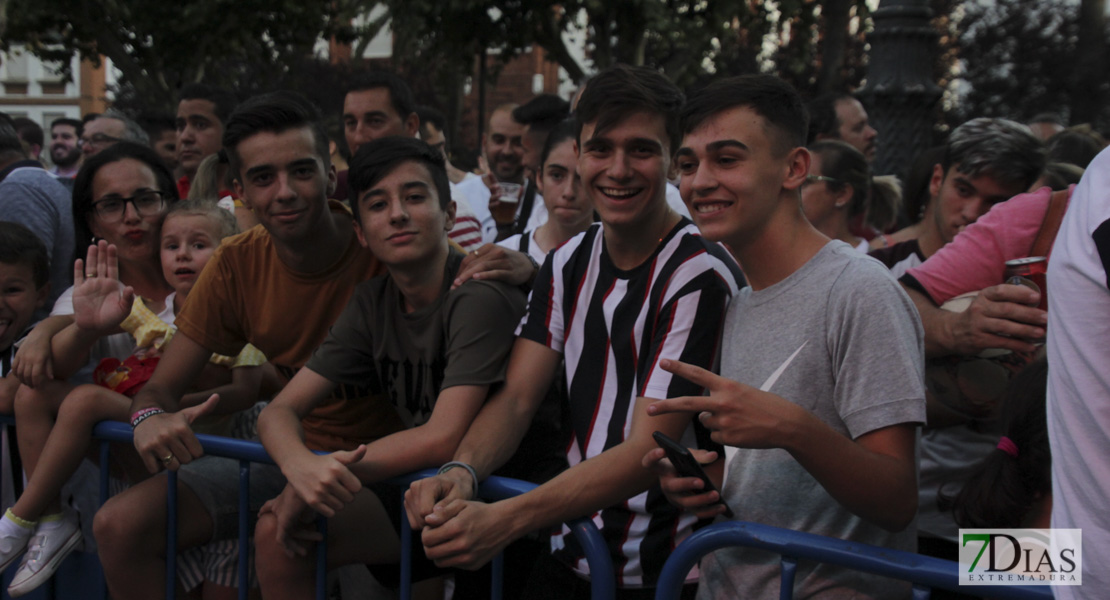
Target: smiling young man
[[821, 385], [278, 287], [64, 152], [612, 302], [434, 350], [503, 150]]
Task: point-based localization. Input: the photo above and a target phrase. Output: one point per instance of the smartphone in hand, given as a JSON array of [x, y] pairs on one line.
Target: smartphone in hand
[[686, 465]]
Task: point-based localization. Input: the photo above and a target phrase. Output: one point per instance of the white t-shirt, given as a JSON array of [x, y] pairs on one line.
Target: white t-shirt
[[477, 193], [1078, 348]]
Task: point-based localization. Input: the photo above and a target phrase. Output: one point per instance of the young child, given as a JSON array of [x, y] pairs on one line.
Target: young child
[[190, 234], [24, 287], [1012, 487]]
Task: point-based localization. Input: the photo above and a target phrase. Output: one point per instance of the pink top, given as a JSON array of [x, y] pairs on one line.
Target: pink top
[[976, 258]]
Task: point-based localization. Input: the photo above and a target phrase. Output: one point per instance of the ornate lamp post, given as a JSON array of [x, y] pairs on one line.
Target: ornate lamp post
[[900, 90]]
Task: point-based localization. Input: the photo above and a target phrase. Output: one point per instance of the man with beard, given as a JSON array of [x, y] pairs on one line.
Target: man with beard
[[503, 150], [64, 152]]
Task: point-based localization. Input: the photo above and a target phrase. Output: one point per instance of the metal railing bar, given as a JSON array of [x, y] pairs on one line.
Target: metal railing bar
[[914, 568]]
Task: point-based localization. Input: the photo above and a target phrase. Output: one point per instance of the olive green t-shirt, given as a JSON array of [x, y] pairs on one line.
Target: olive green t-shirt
[[463, 338]]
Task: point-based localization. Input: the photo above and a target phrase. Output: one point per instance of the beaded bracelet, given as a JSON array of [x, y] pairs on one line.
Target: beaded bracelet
[[469, 469], [144, 414]]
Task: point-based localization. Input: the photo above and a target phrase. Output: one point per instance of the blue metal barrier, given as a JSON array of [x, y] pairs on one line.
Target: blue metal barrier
[[924, 572], [603, 583]]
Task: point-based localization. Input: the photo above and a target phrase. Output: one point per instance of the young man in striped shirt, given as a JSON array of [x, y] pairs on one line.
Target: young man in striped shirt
[[612, 302]]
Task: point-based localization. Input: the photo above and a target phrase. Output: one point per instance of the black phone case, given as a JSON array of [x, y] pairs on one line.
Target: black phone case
[[685, 463]]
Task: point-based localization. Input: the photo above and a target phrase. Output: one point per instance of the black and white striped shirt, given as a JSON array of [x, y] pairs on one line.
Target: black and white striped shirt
[[613, 327]]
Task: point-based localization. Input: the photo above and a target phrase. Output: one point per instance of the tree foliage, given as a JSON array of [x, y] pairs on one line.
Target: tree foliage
[[818, 45], [160, 46], [1020, 58]]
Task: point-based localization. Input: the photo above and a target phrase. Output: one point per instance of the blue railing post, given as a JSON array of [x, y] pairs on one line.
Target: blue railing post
[[322, 558], [171, 535], [406, 557], [244, 529]]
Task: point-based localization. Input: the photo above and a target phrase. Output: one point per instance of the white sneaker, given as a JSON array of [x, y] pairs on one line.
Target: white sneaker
[[48, 548], [12, 546]]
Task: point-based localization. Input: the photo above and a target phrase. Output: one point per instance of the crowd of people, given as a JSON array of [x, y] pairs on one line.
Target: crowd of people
[[841, 352]]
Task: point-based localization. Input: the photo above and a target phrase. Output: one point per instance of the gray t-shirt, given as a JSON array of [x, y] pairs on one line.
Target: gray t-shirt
[[463, 338], [847, 345]]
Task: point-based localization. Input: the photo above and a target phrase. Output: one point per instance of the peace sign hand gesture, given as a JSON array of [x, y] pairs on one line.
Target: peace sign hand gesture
[[736, 414]]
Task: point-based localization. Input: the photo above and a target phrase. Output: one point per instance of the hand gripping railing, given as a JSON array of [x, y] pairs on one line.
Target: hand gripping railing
[[602, 577], [925, 572], [603, 581]]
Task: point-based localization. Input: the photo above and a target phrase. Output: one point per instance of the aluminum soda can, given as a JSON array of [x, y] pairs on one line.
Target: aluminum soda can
[[1029, 272]]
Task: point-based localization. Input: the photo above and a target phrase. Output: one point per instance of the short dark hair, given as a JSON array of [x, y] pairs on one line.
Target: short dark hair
[[29, 131], [154, 125], [20, 246], [559, 134], [1003, 149], [431, 116], [1048, 117], [9, 137], [620, 90], [1073, 146], [76, 124], [400, 95], [768, 96], [82, 184], [275, 112], [376, 159], [222, 100], [822, 115], [542, 113]]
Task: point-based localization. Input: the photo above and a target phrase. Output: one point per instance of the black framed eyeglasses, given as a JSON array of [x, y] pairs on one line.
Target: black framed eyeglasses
[[98, 139], [146, 203]]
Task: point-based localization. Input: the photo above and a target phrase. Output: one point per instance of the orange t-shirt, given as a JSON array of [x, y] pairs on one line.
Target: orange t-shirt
[[246, 294]]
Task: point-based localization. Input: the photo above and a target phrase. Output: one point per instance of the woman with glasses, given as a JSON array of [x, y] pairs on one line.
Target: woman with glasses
[[836, 190], [120, 198]]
